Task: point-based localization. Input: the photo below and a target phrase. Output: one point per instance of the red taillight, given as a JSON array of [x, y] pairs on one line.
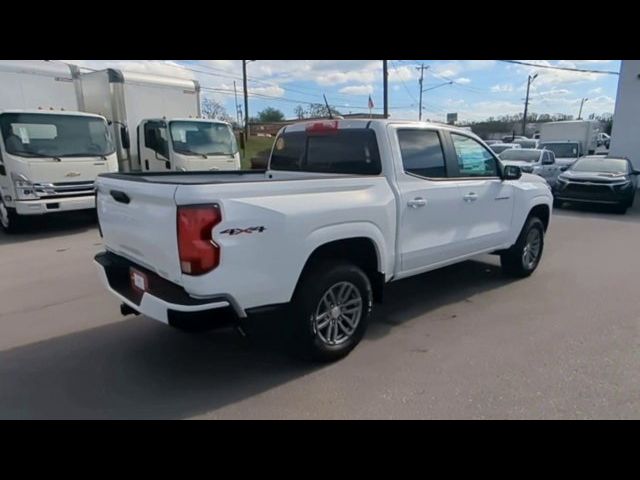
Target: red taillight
[[323, 127], [198, 252]]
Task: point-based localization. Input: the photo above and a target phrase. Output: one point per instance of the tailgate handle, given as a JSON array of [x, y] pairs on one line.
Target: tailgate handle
[[119, 196]]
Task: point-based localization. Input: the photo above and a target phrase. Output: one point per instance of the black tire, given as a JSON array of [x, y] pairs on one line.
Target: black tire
[[621, 208], [307, 341], [513, 261], [13, 223]]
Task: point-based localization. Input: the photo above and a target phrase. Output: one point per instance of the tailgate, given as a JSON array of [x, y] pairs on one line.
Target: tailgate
[[138, 221]]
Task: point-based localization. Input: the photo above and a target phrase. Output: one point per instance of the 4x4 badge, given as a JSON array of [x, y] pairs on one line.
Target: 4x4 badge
[[238, 231]]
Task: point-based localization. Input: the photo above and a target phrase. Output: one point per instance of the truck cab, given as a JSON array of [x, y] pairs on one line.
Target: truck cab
[[566, 152], [49, 160], [186, 144]]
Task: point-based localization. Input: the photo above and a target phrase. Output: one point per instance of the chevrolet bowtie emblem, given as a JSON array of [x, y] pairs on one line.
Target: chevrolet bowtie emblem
[[73, 174]]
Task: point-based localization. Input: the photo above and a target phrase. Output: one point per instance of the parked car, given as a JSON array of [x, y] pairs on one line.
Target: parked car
[[604, 140], [526, 142], [511, 138], [540, 162], [498, 148], [566, 152], [492, 142], [594, 179], [345, 207]]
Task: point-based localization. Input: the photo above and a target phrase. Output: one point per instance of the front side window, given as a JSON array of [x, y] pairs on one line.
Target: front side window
[[422, 153], [37, 135], [474, 160], [203, 138]]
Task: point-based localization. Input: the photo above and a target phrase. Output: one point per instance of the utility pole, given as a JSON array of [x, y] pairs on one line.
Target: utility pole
[[526, 104], [385, 88], [422, 69], [235, 91], [246, 100], [584, 100]]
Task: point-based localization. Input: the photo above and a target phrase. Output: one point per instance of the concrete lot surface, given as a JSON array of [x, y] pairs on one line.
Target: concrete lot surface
[[462, 342]]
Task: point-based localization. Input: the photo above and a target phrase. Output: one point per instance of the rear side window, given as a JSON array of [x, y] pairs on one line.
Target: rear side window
[[349, 151], [422, 153]]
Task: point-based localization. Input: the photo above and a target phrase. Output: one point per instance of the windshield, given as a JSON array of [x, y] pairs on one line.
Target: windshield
[[45, 135], [520, 155], [500, 148], [603, 165], [203, 138], [562, 150]]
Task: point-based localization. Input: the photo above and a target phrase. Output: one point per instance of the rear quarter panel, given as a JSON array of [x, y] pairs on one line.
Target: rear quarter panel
[[262, 267]]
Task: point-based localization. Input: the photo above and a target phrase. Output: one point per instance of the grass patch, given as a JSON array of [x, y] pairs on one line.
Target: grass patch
[[256, 147]]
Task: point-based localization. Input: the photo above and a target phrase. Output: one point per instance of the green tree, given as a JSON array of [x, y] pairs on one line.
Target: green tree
[[270, 114]]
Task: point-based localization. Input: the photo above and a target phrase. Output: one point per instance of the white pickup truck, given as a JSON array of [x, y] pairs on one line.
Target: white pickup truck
[[344, 207]]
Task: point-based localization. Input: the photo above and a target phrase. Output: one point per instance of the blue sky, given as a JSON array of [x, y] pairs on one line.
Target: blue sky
[[481, 88]]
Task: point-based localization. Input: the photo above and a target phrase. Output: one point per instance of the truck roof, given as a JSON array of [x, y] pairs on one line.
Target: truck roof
[[52, 112], [364, 122], [191, 119]]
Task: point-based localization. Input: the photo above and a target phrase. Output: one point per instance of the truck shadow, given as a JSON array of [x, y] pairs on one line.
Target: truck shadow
[[137, 368], [413, 297], [50, 226]]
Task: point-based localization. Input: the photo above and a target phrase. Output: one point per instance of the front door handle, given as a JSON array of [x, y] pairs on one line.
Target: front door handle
[[470, 197], [417, 202]]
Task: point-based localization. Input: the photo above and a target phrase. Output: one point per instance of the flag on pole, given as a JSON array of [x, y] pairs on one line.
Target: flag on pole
[[370, 106]]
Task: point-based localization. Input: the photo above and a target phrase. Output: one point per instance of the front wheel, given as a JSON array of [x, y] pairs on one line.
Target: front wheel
[[10, 221], [523, 257], [330, 311]]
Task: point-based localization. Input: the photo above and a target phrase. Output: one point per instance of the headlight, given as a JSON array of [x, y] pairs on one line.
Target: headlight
[[24, 187]]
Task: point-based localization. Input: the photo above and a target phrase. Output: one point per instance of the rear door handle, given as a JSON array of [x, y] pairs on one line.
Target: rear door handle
[[417, 202], [470, 197], [119, 196]]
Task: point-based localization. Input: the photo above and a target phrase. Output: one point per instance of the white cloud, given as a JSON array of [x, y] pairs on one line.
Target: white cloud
[[357, 90], [463, 80], [502, 88], [595, 91], [272, 91]]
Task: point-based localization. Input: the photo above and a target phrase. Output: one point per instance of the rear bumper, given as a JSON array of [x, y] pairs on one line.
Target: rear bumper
[[40, 207], [163, 300]]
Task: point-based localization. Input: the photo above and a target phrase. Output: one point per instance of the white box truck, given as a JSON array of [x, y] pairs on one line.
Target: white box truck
[[50, 152], [570, 140], [155, 122]]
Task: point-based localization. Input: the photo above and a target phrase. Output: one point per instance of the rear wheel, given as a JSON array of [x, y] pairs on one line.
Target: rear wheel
[[330, 311], [10, 221], [523, 257]]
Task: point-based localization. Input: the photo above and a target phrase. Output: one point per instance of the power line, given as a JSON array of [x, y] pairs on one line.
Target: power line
[[569, 69]]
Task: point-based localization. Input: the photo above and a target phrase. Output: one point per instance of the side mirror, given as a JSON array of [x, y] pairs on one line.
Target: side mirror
[[548, 160], [511, 172], [124, 138]]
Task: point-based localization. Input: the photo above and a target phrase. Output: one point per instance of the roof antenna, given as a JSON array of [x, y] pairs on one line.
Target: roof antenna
[[327, 104]]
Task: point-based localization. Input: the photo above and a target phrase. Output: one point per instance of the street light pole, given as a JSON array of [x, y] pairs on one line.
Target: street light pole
[[526, 105], [584, 100]]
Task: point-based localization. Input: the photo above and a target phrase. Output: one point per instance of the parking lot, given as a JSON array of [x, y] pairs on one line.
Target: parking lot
[[462, 342]]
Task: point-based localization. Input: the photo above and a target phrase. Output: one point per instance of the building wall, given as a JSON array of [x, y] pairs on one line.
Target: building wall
[[625, 134]]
